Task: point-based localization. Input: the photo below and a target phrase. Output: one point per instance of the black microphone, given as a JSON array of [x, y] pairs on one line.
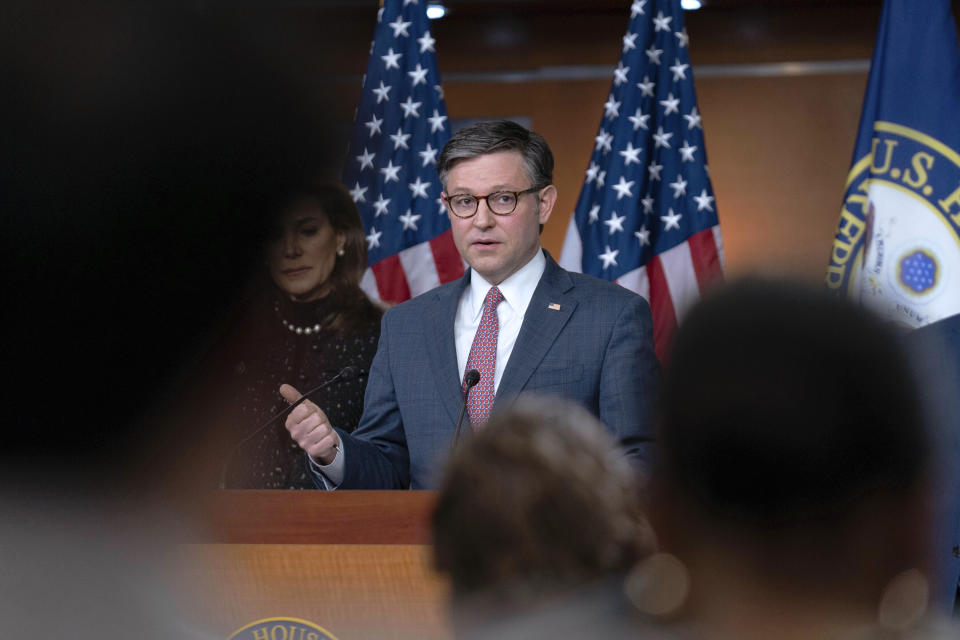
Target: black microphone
[[470, 380], [347, 373]]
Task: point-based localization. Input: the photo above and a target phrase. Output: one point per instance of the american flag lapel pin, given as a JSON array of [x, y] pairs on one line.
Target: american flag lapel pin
[[554, 306]]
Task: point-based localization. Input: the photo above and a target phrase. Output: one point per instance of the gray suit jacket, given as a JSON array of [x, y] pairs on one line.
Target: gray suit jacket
[[597, 349]]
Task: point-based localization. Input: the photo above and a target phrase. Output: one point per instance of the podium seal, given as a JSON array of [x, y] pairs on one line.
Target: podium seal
[[281, 629]]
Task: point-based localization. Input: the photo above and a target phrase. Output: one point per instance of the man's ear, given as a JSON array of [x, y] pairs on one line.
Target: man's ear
[[547, 198]]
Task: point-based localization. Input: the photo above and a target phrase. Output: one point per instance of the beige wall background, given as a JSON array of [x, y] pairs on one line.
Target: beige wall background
[[778, 148], [779, 143]]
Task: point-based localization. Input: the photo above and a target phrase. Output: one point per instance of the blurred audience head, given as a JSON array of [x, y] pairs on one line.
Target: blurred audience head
[[793, 455], [537, 504], [144, 148]]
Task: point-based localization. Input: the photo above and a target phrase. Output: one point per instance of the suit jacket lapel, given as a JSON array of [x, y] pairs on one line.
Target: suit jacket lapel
[[442, 349], [541, 326]]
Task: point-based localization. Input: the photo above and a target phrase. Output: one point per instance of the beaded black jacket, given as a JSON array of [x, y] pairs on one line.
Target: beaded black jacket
[[282, 341]]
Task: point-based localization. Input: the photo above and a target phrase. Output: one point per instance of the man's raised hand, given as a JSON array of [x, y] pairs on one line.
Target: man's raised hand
[[309, 427]]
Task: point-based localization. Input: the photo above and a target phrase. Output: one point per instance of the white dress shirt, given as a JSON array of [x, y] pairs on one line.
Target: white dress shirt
[[517, 292]]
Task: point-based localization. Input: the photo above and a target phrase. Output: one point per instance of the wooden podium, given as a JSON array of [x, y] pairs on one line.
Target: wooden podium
[[356, 563]]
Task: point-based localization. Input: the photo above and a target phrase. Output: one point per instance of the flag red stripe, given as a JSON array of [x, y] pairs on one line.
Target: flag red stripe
[[446, 257], [661, 306], [706, 258], [391, 279]]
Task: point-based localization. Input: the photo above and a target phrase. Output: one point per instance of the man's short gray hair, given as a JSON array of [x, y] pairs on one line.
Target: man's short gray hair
[[499, 135]]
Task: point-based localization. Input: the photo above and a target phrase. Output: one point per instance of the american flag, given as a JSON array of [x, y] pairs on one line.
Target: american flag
[[646, 217], [391, 170]]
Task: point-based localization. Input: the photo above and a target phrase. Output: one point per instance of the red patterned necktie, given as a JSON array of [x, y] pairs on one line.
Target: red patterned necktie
[[483, 358]]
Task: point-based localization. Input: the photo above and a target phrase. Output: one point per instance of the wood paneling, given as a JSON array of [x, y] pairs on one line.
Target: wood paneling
[[353, 591], [356, 563], [779, 150], [317, 517]]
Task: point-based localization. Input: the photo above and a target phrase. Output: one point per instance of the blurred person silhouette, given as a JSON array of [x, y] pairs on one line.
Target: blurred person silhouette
[[936, 350], [306, 321], [141, 148], [537, 523], [792, 486]]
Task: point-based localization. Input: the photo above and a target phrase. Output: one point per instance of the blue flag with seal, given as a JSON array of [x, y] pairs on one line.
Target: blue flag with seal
[[897, 246]]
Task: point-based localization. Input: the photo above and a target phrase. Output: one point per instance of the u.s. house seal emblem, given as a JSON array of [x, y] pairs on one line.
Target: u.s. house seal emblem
[[281, 629], [897, 248]]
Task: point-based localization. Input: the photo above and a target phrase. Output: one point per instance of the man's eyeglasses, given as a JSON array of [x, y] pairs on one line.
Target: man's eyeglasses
[[502, 203]]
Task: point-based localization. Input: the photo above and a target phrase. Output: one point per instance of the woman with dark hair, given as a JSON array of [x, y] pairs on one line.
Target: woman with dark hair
[[306, 323]]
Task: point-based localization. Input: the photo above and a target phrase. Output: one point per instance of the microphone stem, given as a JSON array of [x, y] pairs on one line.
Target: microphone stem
[[470, 380], [349, 371]]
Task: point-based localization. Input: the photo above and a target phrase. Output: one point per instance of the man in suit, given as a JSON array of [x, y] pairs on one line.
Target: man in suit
[[521, 321]]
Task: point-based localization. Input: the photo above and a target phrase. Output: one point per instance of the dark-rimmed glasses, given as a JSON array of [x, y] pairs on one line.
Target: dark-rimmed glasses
[[501, 203]]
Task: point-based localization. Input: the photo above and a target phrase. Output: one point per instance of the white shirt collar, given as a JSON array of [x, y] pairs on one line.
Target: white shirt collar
[[517, 289]]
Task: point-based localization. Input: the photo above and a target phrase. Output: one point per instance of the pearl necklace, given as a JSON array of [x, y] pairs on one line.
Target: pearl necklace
[[300, 331]]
